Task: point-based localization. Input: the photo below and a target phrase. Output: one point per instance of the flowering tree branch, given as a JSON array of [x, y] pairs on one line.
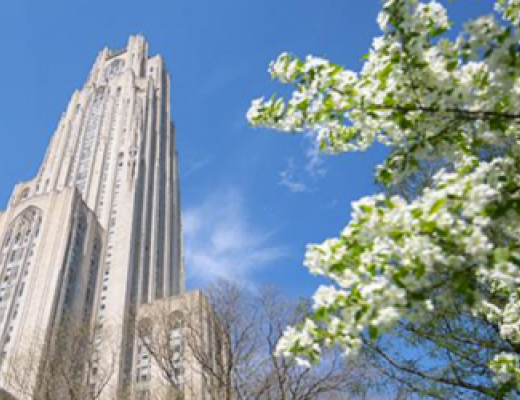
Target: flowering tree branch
[[430, 99]]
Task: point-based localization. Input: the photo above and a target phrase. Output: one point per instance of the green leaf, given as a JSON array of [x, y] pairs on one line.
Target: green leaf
[[386, 72], [303, 105], [321, 314], [420, 271], [438, 31], [399, 275], [497, 124], [401, 120], [452, 65], [501, 38], [417, 213], [389, 100], [428, 226], [385, 175], [366, 208], [373, 332], [418, 296], [437, 206], [501, 254]]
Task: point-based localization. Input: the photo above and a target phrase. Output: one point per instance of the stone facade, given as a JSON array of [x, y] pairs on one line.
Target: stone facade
[[97, 233], [180, 350]]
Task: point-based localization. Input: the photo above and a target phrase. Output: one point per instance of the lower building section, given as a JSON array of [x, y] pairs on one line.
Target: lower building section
[[175, 345], [64, 283], [179, 350], [49, 256]]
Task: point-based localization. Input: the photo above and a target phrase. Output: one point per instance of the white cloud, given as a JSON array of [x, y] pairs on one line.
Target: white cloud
[[298, 177], [288, 178], [222, 242], [315, 166]]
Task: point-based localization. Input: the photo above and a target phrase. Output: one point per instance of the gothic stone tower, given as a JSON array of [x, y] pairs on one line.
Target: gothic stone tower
[[97, 232]]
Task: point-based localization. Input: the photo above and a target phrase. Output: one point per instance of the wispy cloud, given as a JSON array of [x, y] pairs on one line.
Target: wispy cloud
[[300, 177], [315, 166], [289, 180], [221, 241], [196, 166]]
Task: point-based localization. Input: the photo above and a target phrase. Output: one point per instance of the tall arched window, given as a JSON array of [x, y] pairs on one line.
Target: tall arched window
[[18, 255], [109, 154], [94, 122], [115, 68]]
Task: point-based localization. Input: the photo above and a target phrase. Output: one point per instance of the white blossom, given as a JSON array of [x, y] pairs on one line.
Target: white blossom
[[428, 97]]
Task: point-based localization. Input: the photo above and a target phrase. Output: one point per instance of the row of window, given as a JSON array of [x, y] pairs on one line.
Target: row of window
[[110, 150], [175, 348], [76, 258], [21, 238], [94, 122], [108, 264], [92, 278], [16, 260]]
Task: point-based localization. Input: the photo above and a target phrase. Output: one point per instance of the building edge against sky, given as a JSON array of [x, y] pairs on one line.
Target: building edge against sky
[[97, 233]]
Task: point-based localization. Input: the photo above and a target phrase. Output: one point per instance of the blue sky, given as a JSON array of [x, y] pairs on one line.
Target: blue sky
[[252, 199]]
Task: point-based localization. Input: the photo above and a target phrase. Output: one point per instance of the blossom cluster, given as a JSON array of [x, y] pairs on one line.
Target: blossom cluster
[[393, 252], [413, 86], [506, 368], [428, 98], [510, 10]]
